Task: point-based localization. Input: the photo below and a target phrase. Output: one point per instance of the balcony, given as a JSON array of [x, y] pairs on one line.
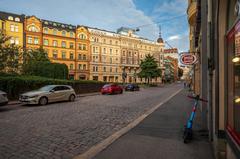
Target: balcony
[[191, 11]]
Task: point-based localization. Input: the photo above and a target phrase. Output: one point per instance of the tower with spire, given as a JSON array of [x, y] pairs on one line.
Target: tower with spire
[[160, 39]]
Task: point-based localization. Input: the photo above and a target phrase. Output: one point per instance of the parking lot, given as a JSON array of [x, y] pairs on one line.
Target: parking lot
[[66, 129]]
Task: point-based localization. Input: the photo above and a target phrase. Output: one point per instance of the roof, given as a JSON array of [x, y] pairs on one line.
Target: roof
[[5, 15], [57, 25], [173, 50]]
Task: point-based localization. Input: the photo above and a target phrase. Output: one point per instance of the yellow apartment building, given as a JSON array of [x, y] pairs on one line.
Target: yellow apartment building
[[12, 26], [105, 56], [89, 53], [134, 49], [82, 53]]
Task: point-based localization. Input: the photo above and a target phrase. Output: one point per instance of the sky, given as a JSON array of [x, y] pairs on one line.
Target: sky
[[110, 15]]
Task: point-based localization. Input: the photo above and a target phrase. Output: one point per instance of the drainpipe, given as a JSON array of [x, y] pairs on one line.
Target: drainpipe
[[210, 68]]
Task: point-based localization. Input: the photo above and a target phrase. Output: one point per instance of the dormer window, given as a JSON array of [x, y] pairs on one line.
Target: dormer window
[[54, 24], [55, 31], [63, 26], [46, 22], [71, 34], [17, 19], [10, 18], [45, 30], [63, 33]]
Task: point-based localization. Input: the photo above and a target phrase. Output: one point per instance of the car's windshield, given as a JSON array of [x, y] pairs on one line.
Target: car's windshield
[[107, 85], [46, 88]]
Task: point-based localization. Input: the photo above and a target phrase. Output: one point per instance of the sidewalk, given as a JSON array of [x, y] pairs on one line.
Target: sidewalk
[[159, 136]]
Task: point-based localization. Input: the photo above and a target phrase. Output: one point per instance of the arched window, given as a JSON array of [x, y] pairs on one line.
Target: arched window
[[82, 36], [45, 30], [10, 18], [33, 28], [17, 19], [71, 34], [63, 33], [55, 31]]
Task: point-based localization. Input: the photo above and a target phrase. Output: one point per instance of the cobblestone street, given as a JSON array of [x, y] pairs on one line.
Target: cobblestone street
[[64, 130]]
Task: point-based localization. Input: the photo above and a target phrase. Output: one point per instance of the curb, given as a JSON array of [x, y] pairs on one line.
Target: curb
[[95, 149]]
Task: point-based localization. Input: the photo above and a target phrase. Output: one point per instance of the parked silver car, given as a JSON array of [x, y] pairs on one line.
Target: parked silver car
[[48, 94], [3, 98]]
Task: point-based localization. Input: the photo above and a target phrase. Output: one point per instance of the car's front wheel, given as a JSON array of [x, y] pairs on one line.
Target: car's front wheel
[[72, 98], [43, 101]]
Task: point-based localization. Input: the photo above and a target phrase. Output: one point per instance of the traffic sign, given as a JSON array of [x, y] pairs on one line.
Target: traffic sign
[[188, 59]]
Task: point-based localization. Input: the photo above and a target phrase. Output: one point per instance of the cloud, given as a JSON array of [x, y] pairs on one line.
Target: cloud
[[174, 37], [103, 14]]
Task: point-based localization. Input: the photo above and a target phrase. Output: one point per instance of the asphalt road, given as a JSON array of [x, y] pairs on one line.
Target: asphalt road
[[64, 130]]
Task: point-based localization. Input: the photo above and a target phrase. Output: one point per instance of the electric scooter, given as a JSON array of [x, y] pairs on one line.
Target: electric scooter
[[188, 132]]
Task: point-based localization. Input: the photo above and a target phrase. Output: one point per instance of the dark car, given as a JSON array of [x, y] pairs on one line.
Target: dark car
[[111, 89], [3, 98], [132, 87]]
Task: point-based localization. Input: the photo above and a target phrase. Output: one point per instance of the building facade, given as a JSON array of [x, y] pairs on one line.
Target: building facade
[[13, 26], [216, 36], [89, 53]]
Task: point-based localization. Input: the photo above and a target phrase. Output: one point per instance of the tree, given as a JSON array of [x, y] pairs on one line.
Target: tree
[[10, 55], [149, 68], [37, 63], [180, 72]]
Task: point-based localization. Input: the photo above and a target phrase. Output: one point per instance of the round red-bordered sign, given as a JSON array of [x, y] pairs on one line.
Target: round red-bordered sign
[[188, 59]]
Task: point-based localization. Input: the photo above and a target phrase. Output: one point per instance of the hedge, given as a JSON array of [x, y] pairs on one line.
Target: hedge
[[15, 85]]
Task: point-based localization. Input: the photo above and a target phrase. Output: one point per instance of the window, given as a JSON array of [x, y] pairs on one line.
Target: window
[[63, 33], [63, 54], [71, 45], [36, 40], [110, 69], [55, 54], [110, 51], [12, 28], [104, 50], [45, 42], [233, 78], [17, 41], [10, 18], [12, 41], [80, 66], [104, 41], [33, 28], [116, 70], [79, 56], [63, 44], [82, 36], [110, 41], [16, 28], [116, 52], [104, 69], [71, 66], [54, 31], [123, 53], [116, 42], [71, 56], [84, 57], [84, 67], [45, 30], [55, 44], [30, 40], [110, 60], [84, 47], [71, 34]]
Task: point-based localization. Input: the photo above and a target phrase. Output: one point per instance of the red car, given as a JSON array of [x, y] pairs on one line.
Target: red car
[[111, 89]]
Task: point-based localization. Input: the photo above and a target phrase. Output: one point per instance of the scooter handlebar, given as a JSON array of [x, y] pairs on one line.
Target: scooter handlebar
[[197, 98]]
